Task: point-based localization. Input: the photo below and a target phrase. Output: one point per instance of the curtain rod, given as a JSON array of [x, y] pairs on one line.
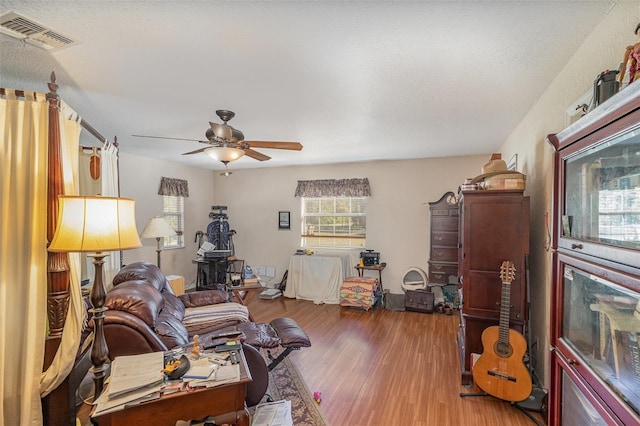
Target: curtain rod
[[88, 127]]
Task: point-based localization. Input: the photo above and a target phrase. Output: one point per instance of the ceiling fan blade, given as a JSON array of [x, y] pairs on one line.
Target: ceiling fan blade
[[255, 154], [197, 151], [164, 137], [294, 146]]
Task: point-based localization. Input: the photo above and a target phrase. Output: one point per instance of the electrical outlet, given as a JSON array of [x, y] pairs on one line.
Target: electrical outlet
[[266, 271]]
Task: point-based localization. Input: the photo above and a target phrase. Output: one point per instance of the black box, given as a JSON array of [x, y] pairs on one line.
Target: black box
[[370, 257]]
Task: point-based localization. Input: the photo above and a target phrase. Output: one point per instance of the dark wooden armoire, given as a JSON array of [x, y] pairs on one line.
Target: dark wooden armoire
[[494, 227]]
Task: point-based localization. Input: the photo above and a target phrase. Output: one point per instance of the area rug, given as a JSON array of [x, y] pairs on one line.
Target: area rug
[[285, 383]]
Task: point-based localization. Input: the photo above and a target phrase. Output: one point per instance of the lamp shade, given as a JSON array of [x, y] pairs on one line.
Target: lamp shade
[[157, 227], [224, 153], [95, 224]]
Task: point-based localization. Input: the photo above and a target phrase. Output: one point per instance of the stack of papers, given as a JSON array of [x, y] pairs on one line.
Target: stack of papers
[[139, 378], [133, 379], [270, 293], [199, 369], [219, 375], [276, 413]]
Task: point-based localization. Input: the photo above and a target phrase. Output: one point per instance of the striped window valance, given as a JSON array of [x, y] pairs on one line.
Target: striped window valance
[[334, 188], [174, 187]]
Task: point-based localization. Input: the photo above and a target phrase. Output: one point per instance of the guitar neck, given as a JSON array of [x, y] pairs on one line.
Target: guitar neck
[[505, 310]]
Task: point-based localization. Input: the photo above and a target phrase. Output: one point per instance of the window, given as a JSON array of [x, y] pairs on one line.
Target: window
[[173, 210], [334, 221], [173, 192]]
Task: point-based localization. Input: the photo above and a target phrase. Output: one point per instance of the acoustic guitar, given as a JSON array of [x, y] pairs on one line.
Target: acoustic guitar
[[500, 370]]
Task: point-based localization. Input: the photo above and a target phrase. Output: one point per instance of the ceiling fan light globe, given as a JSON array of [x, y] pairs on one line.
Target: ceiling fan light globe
[[224, 153]]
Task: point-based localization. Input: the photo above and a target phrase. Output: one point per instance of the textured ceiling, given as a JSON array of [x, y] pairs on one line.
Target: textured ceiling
[[351, 81]]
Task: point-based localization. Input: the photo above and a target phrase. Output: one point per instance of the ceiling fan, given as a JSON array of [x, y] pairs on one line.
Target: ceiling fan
[[227, 144]]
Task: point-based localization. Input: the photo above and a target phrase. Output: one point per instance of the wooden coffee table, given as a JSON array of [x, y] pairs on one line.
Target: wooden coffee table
[[192, 405]]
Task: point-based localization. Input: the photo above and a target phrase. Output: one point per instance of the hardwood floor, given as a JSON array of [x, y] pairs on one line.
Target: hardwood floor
[[385, 368]]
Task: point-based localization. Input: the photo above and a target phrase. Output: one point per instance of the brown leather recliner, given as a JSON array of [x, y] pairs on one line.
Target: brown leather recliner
[[144, 314]]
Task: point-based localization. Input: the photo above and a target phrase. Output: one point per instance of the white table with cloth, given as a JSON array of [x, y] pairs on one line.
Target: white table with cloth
[[317, 277]]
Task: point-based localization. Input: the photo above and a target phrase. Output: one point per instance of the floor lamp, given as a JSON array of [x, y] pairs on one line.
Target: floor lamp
[[96, 224], [157, 228]]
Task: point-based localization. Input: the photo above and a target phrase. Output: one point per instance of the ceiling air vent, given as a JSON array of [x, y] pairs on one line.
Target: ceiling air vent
[[33, 32]]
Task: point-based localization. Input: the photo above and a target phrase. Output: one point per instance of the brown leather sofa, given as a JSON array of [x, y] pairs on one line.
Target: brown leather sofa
[[144, 314]]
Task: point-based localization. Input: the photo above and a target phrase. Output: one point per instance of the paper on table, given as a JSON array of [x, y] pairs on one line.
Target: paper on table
[[228, 372], [223, 374], [276, 413], [106, 403], [199, 369], [132, 372]]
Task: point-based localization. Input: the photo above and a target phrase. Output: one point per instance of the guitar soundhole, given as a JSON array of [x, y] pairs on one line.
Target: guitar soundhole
[[503, 350]]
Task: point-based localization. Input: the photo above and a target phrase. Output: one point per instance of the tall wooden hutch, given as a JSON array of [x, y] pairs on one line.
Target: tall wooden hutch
[[443, 262], [595, 305], [494, 227]]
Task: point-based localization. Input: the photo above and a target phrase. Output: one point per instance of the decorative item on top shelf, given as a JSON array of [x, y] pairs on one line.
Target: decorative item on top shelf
[[468, 186], [631, 61], [497, 176], [605, 86]]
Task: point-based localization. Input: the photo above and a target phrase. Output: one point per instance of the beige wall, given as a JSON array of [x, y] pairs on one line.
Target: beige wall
[[397, 212], [397, 215], [140, 180], [603, 49]]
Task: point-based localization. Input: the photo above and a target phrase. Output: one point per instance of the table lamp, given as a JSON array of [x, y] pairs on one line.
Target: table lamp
[[96, 224], [157, 228]]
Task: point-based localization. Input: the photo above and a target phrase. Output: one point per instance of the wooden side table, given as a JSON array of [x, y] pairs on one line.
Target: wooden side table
[[196, 404], [378, 267]]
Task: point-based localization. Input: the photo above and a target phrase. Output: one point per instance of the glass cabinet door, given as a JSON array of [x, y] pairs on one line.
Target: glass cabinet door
[[602, 193], [576, 408], [601, 323]]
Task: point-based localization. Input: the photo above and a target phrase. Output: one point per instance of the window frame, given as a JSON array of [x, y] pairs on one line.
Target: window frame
[[310, 237]]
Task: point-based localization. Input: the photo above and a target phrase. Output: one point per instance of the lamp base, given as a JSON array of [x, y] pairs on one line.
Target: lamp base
[[158, 250], [99, 349]]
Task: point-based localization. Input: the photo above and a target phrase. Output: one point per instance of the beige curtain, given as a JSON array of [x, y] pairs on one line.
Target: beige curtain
[[106, 185], [65, 357], [110, 188], [23, 255], [88, 186]]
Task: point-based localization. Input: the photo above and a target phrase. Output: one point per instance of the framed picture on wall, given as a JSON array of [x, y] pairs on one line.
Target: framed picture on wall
[[284, 220]]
